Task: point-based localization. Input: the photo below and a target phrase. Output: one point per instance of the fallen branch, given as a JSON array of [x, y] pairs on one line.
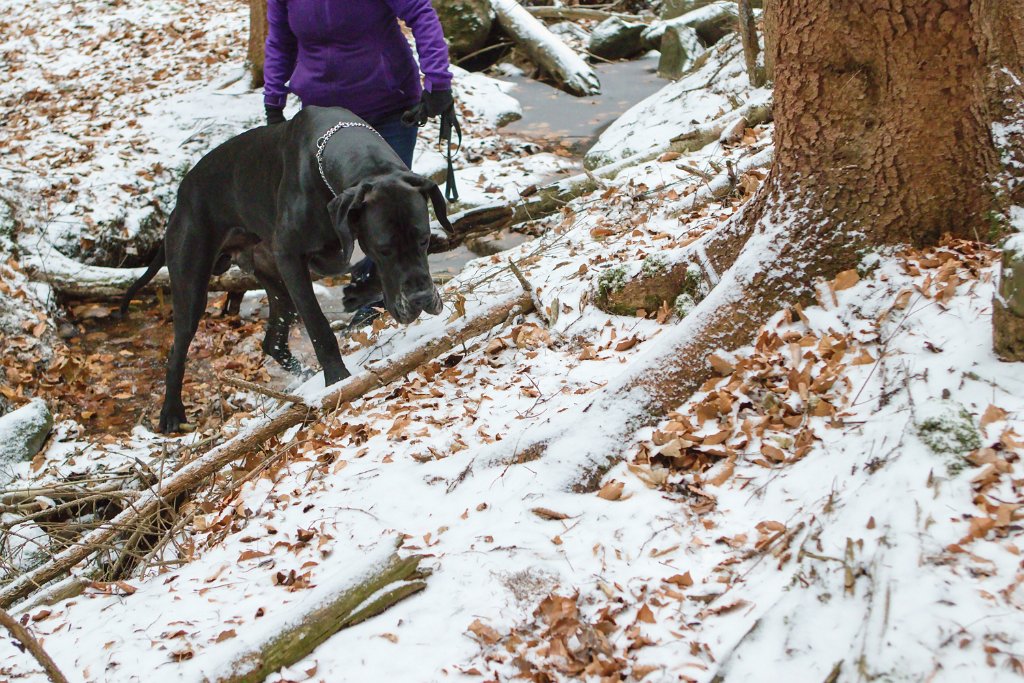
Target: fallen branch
[[382, 588], [79, 281], [197, 471], [32, 645], [239, 383], [580, 13], [546, 49], [749, 115]]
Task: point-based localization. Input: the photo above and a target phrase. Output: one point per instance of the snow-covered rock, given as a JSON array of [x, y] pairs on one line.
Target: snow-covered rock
[[615, 38], [23, 432]]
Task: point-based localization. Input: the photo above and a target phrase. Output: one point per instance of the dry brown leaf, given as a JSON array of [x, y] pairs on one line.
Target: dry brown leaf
[[681, 580], [992, 414], [721, 365], [612, 490], [645, 614], [845, 280], [484, 632], [546, 513]]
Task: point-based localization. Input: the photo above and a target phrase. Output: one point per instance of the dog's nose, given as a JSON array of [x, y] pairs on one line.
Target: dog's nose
[[422, 299]]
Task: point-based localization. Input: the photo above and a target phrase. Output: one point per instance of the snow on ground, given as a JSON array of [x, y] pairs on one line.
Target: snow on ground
[[716, 87], [844, 497], [110, 103], [820, 508]]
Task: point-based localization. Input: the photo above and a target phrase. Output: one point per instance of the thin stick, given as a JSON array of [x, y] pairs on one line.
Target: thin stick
[[32, 645], [529, 290], [245, 385]]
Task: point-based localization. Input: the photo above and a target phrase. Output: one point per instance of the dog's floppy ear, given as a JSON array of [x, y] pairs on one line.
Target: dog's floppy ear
[[430, 189], [344, 211]]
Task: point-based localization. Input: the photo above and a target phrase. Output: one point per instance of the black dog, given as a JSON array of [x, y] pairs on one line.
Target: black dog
[[269, 195]]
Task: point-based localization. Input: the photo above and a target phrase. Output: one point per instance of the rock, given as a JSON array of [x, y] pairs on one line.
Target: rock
[[615, 38], [680, 286], [711, 22], [670, 9], [467, 24], [23, 431], [680, 47], [1008, 303]]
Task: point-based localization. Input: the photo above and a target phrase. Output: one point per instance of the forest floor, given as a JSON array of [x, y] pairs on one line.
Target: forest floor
[[841, 502]]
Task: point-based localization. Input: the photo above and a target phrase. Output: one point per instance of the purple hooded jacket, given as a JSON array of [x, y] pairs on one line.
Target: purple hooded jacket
[[352, 54]]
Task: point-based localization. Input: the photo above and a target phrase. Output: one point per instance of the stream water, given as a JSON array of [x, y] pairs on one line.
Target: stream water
[[133, 351]]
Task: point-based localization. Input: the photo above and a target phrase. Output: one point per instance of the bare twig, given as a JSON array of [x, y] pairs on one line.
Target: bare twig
[[32, 645], [245, 385], [528, 288]]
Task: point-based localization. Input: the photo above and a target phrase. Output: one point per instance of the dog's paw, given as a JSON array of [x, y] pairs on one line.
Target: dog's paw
[[173, 421], [334, 376]]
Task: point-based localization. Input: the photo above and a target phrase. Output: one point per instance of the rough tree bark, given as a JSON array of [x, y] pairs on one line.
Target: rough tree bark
[[257, 38], [882, 136]]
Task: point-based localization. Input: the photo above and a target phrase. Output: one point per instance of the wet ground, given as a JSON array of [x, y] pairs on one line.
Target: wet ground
[[554, 117]]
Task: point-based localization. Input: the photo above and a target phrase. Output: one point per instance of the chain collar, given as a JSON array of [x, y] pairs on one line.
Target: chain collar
[[322, 141]]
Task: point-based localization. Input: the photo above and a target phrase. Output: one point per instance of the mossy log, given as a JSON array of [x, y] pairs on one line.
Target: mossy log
[[382, 588]]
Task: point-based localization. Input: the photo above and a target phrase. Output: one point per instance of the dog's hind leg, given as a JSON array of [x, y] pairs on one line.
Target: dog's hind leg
[[190, 260]]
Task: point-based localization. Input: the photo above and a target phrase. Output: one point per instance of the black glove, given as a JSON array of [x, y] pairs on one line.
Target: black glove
[[432, 103], [274, 115]]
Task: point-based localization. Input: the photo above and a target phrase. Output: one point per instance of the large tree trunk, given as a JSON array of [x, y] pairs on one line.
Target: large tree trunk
[[882, 134], [257, 39]]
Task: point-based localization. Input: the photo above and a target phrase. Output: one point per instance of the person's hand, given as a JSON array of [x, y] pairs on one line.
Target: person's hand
[[432, 103], [274, 115]]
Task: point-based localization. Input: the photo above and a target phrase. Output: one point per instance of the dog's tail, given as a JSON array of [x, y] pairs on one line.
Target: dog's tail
[[154, 267]]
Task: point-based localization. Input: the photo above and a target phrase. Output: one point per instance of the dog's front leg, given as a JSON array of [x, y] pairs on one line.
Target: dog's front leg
[[294, 272]]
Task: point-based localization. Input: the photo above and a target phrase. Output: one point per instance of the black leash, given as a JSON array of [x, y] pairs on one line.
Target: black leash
[[450, 121]]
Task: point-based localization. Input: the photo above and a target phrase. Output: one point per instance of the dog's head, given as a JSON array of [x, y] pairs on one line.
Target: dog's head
[[388, 217]]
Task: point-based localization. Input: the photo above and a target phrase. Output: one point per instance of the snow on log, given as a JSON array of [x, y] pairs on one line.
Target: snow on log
[[381, 587], [80, 281], [193, 474], [751, 114], [711, 23], [546, 49]]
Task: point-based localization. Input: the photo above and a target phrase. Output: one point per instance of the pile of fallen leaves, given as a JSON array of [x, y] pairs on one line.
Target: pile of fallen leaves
[[109, 376], [562, 640], [766, 404]]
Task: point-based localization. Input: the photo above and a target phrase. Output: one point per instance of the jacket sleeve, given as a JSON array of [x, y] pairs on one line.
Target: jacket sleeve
[[419, 15], [279, 56]]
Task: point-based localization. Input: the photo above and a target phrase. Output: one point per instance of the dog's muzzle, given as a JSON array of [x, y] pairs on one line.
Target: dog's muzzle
[[407, 309]]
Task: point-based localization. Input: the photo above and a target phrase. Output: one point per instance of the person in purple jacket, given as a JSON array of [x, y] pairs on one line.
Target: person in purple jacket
[[352, 54]]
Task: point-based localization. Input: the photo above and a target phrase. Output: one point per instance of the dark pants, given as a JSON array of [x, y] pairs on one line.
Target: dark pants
[[402, 139]]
